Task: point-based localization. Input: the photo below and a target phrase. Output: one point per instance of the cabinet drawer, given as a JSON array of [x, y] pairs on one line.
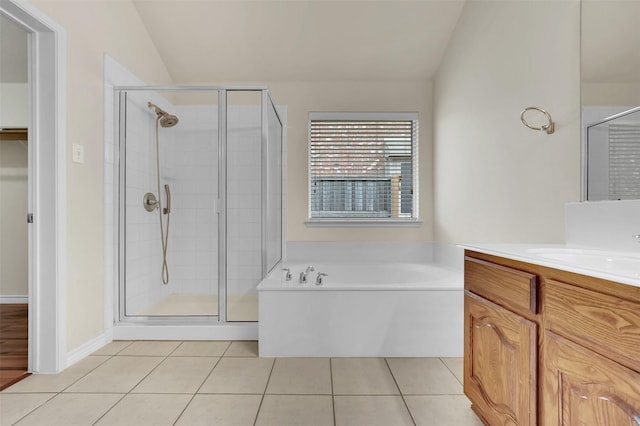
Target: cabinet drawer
[[606, 324], [505, 286]]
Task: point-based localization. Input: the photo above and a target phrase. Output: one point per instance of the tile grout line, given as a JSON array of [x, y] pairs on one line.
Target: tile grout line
[[110, 357], [386, 361], [273, 365], [451, 371], [56, 394], [333, 397], [110, 408], [226, 350], [138, 383], [36, 408], [201, 384]]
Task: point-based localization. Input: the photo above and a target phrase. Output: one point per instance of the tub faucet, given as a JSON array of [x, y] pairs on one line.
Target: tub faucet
[[303, 275], [287, 276]]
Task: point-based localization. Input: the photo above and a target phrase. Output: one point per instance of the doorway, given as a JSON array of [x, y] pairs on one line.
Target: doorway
[[14, 158], [46, 185]]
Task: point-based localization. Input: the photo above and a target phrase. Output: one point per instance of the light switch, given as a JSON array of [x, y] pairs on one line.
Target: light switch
[[78, 153]]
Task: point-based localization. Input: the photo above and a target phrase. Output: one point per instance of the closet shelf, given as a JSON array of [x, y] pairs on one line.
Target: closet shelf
[[14, 134]]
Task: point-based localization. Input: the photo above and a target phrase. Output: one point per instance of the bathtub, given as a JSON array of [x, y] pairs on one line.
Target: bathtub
[[362, 310]]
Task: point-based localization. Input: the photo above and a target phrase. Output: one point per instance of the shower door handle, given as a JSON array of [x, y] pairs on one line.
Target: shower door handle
[[167, 209]]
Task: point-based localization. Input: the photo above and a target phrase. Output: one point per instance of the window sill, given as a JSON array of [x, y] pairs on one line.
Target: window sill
[[363, 223]]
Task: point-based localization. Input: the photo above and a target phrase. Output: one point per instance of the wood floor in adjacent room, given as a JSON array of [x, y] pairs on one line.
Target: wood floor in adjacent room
[[13, 343]]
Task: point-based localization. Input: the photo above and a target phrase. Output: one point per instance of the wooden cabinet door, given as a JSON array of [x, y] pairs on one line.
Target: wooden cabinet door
[[500, 363], [586, 389]]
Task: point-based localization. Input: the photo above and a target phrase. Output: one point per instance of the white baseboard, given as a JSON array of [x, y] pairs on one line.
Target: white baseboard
[[14, 299], [86, 349]]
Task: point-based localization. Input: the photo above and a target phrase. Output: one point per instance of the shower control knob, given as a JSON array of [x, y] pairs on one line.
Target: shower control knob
[[150, 202]]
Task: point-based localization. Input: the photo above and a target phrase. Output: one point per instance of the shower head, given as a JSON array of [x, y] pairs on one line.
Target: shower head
[[166, 119]]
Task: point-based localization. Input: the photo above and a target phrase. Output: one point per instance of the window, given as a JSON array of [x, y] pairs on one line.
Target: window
[[363, 167]]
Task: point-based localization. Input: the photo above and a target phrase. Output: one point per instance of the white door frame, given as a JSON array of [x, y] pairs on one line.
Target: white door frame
[[47, 185]]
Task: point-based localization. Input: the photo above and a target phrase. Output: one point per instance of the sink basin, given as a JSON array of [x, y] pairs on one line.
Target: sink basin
[[623, 263]]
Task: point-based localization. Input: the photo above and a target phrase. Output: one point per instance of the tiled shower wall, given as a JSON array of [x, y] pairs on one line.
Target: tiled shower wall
[[142, 243], [190, 166], [244, 202]]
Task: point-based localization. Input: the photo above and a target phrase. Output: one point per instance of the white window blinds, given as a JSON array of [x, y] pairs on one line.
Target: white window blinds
[[624, 161], [363, 165]]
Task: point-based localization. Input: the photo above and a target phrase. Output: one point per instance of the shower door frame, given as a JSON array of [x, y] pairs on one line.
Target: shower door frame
[[199, 320]]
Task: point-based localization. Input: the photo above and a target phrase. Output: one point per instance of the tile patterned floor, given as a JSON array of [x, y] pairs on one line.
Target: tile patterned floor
[[225, 383]]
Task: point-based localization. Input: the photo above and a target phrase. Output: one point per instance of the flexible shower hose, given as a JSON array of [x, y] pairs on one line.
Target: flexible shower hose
[[164, 238]]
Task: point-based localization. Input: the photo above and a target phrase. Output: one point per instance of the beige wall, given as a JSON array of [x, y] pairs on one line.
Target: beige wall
[[303, 97], [93, 28], [597, 94], [14, 104], [495, 180]]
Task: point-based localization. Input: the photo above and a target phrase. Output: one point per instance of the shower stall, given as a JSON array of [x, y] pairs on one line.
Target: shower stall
[[199, 195]]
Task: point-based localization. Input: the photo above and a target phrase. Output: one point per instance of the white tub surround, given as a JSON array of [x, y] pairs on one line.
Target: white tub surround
[[362, 310], [360, 251]]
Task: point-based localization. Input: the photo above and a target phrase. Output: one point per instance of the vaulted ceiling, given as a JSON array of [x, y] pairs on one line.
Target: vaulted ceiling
[[300, 40], [228, 41]]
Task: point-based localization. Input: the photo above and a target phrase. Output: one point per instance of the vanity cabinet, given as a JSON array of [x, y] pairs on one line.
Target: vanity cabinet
[[501, 329], [570, 356]]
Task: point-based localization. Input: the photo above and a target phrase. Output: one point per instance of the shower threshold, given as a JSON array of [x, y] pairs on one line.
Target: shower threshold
[[239, 307]]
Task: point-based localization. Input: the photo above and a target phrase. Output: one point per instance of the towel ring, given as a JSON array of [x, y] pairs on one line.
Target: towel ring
[[549, 128]]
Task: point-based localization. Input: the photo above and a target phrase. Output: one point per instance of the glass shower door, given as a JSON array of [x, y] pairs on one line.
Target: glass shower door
[[244, 204], [169, 194]]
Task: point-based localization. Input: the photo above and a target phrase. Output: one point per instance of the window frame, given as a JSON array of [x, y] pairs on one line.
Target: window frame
[[414, 220]]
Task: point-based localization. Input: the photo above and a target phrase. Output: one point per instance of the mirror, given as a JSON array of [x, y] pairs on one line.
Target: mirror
[[610, 86]]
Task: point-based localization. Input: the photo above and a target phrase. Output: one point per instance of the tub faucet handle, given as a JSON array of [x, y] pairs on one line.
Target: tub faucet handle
[[287, 276], [319, 277], [303, 278]]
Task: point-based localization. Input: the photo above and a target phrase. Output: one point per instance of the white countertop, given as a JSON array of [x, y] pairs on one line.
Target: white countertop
[[541, 254]]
